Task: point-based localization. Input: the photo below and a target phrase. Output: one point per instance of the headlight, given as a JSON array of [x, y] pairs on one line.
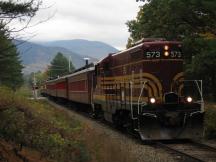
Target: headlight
[[166, 53], [152, 100], [189, 99], [166, 47]]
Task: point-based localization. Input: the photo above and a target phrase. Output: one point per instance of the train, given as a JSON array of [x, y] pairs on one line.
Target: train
[[141, 89]]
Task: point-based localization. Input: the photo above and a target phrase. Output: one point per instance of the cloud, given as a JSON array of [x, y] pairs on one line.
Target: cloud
[[87, 19]]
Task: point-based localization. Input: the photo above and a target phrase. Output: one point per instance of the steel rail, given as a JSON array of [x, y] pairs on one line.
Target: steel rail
[[204, 146], [179, 152], [188, 155]]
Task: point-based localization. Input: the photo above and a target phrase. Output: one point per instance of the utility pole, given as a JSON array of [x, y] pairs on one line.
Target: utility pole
[[34, 87], [69, 65]]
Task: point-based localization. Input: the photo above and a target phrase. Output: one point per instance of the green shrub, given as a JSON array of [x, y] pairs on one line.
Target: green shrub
[[210, 123], [40, 126]]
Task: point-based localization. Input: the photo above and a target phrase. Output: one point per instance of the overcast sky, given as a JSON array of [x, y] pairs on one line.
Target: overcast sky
[[98, 20]]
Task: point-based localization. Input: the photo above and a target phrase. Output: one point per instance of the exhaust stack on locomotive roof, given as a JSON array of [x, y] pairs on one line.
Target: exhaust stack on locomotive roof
[[86, 60]]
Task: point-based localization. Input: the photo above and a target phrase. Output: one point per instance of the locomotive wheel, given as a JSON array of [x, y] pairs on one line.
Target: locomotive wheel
[[97, 111], [121, 119]]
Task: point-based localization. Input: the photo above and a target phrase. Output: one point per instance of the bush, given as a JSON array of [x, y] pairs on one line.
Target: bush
[[210, 123], [40, 126]]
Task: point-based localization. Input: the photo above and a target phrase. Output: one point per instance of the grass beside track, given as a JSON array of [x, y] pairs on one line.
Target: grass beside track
[[42, 127], [51, 131], [210, 121]]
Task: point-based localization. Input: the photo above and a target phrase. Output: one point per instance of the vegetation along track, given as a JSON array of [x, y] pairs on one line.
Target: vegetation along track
[[190, 151]]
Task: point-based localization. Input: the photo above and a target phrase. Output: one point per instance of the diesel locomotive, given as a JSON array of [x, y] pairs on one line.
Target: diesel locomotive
[[141, 88]]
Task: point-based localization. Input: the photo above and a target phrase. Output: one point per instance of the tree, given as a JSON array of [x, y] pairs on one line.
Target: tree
[[10, 64], [40, 78], [203, 67], [60, 66], [184, 20], [13, 10], [190, 21], [174, 19]]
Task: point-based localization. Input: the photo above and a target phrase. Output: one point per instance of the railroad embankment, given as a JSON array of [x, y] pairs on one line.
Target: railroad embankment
[[210, 121], [37, 125]]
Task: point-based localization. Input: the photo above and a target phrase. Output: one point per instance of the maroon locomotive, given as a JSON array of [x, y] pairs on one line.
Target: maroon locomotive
[[142, 88]]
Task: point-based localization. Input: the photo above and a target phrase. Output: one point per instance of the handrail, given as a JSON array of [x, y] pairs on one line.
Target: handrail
[[150, 114], [140, 95], [131, 99], [196, 112], [201, 93], [200, 89]]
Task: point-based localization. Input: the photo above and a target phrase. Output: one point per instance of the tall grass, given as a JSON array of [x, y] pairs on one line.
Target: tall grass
[[40, 126], [103, 148], [210, 121]]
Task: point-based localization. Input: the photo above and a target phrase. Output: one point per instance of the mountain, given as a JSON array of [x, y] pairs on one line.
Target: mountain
[[93, 49], [36, 57]]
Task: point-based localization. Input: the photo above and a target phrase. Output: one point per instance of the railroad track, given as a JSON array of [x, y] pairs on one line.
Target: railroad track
[[190, 151], [185, 151]]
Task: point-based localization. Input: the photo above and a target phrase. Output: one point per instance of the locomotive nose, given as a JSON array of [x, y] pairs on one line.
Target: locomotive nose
[[172, 119], [171, 97]]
